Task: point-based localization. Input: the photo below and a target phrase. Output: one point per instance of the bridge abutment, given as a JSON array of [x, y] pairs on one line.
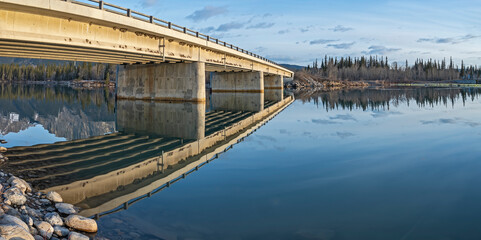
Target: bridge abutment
[[163, 82], [274, 87]]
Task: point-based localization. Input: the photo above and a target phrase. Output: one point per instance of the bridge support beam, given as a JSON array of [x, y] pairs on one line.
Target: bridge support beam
[[274, 87], [238, 91], [163, 82]]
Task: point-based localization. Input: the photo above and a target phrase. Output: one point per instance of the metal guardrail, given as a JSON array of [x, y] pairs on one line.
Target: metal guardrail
[[99, 4]]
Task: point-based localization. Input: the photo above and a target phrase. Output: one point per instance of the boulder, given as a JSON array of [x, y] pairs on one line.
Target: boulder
[[13, 228], [81, 223], [60, 231], [15, 196], [3, 149], [44, 229], [27, 219], [5, 219], [65, 208], [54, 197], [20, 184], [53, 218], [14, 232], [77, 236]]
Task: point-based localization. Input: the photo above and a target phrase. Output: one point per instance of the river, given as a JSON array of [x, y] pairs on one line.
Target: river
[[387, 163]]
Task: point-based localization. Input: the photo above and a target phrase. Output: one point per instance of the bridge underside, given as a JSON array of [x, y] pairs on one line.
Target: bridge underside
[[159, 63], [53, 29]]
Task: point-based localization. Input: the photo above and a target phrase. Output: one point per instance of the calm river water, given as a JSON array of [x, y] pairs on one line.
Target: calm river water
[[354, 164]]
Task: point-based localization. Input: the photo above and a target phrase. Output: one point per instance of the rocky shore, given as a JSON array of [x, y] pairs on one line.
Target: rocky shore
[[305, 81], [26, 214]]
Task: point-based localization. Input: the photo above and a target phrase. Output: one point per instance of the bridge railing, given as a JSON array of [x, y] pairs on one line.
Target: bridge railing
[[99, 4]]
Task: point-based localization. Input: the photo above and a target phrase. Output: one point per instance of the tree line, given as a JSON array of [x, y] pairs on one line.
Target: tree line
[[374, 68], [58, 72]]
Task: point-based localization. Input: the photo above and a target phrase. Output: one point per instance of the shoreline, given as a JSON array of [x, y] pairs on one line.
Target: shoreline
[[28, 214]]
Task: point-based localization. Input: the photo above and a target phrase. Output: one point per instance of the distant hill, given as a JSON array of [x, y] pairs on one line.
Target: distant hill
[[292, 67]]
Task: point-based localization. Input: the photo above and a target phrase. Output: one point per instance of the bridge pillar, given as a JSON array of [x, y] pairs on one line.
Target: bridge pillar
[[274, 87], [178, 120], [163, 82], [238, 91]]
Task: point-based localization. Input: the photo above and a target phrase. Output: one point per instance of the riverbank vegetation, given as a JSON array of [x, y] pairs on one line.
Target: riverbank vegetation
[[380, 69], [66, 71]]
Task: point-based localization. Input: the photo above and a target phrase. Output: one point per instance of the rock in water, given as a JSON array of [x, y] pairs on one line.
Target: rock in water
[[44, 229], [65, 208], [3, 149], [81, 223], [54, 197], [77, 236], [53, 218], [20, 184], [15, 196]]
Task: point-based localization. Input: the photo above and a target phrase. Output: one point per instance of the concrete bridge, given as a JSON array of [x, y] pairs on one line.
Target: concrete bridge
[[104, 172], [160, 60]]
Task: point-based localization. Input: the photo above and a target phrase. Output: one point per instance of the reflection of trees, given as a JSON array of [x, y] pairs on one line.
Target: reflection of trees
[[63, 111], [384, 98], [59, 94]]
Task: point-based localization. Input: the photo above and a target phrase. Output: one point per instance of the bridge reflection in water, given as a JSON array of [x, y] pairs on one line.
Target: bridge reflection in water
[[156, 145]]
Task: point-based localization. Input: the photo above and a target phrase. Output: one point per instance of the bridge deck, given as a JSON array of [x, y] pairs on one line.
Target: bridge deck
[[102, 32]]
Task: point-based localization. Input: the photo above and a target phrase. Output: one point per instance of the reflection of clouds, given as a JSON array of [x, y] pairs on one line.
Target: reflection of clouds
[[285, 131], [344, 135], [473, 124], [267, 138], [324, 121], [451, 121], [345, 117], [280, 149], [379, 114], [447, 121]]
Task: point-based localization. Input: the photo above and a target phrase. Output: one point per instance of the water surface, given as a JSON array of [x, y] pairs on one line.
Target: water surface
[[358, 164]]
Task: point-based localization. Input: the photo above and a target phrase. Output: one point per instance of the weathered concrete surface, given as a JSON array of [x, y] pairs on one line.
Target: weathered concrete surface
[[163, 82], [274, 87], [237, 101], [252, 82], [179, 120], [54, 29]]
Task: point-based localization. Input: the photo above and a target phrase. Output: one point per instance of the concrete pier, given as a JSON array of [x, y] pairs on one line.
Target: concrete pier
[[163, 82], [238, 91], [252, 82], [274, 87], [178, 120], [237, 101]]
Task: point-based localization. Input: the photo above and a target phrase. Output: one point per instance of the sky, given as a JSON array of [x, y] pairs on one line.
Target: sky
[[299, 31]]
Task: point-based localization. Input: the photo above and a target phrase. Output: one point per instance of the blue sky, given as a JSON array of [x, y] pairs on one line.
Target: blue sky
[[297, 32]]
